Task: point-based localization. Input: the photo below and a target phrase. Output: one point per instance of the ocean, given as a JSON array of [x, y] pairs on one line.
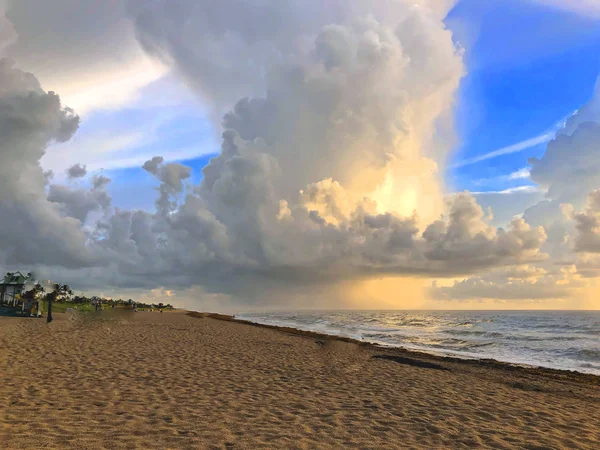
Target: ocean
[[567, 340]]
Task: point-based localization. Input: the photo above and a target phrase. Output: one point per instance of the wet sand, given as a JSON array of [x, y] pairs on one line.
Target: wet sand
[[150, 380]]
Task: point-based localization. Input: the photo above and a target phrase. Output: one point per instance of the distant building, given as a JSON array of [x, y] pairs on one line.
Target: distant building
[[11, 288]]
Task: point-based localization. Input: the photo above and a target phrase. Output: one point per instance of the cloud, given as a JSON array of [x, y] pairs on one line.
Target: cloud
[[331, 144], [67, 57], [569, 169], [76, 171], [505, 206], [30, 119], [237, 226], [570, 165], [520, 174], [524, 282], [172, 176], [398, 117], [100, 181], [469, 239], [588, 264], [282, 172], [225, 53], [567, 172], [79, 203], [89, 53], [588, 225], [153, 164], [8, 35]]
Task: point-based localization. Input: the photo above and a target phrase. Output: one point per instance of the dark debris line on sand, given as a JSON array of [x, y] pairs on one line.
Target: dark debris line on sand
[[411, 362]]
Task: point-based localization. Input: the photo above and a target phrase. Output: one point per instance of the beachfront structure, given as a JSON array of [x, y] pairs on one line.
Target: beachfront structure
[[11, 288]]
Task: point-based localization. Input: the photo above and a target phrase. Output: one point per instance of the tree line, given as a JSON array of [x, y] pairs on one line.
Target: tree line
[[62, 293]]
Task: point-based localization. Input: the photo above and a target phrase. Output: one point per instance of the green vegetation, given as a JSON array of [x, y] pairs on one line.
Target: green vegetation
[[61, 298], [62, 307], [82, 303]]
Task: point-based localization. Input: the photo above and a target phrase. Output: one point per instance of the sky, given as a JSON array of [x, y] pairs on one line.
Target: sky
[[258, 154]]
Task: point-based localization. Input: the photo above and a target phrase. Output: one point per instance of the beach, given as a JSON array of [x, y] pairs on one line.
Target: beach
[[172, 380]]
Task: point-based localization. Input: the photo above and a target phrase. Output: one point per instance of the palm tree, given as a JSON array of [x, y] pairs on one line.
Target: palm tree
[[38, 290], [35, 294], [60, 291]]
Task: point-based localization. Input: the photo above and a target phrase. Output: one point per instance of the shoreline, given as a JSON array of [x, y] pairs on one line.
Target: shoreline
[[418, 355]]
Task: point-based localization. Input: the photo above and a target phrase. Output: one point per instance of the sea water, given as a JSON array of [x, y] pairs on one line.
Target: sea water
[[558, 339]]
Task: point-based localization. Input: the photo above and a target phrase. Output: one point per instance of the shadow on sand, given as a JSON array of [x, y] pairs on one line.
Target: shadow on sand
[[9, 311], [411, 362]]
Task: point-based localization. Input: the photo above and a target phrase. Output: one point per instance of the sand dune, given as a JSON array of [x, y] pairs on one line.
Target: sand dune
[[149, 380]]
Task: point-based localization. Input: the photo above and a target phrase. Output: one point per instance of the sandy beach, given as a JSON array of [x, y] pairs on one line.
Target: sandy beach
[[150, 380]]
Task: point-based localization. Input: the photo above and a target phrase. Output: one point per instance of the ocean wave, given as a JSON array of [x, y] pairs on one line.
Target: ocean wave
[[585, 354], [384, 336], [415, 323], [590, 366], [463, 324], [529, 338], [490, 334], [451, 344], [481, 344], [595, 331]]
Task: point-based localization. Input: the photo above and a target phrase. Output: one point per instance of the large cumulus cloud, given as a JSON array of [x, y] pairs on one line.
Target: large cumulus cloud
[[223, 49], [343, 90], [331, 144], [234, 228]]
